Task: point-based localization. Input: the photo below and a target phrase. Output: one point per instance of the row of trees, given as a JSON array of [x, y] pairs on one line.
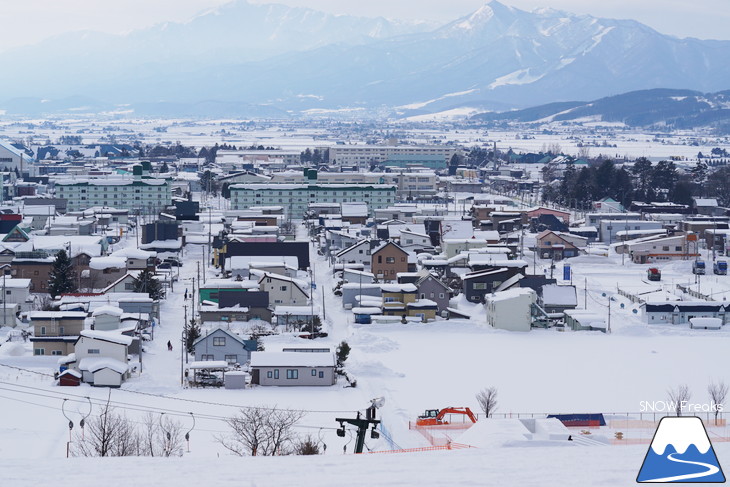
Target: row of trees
[[644, 181]]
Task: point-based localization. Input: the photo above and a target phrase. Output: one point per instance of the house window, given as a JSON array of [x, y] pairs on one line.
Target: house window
[[314, 372], [380, 259], [208, 357], [292, 373], [43, 330], [423, 295], [93, 351], [56, 352], [269, 374], [283, 288], [441, 295], [231, 359], [276, 373], [321, 375], [219, 341], [61, 330], [390, 260], [480, 285], [665, 248], [39, 351], [389, 299], [678, 248]]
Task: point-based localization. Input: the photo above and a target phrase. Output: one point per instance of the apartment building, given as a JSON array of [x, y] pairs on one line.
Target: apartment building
[[295, 198], [149, 196]]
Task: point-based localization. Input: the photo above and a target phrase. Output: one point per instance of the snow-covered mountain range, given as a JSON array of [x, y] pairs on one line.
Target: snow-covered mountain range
[[295, 59]]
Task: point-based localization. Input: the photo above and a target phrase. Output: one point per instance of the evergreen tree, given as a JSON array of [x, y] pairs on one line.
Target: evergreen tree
[[343, 351], [164, 168], [145, 282], [192, 330], [62, 278], [642, 171]]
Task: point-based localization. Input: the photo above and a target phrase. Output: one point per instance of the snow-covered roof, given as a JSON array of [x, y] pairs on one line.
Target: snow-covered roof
[[296, 310], [133, 253], [553, 294], [71, 372], [367, 310], [509, 294], [15, 283], [208, 364], [101, 263], [292, 359], [50, 315], [94, 364], [107, 310], [399, 288], [107, 336]]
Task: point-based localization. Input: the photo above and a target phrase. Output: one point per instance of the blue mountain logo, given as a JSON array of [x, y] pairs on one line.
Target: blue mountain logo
[[681, 451]]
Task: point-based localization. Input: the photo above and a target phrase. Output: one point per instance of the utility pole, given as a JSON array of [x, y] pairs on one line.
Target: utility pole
[[585, 293]]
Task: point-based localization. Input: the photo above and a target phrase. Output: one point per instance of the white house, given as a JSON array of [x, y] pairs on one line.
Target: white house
[[107, 318], [17, 291], [293, 368], [658, 248], [101, 357], [410, 239], [358, 253], [284, 290], [510, 310]]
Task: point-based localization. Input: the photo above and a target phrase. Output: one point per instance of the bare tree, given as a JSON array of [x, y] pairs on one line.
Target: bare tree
[[306, 446], [679, 397], [261, 431], [487, 399], [162, 437], [108, 435], [718, 394]]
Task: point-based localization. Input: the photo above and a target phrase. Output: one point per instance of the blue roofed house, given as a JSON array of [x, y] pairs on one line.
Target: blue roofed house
[[220, 344]]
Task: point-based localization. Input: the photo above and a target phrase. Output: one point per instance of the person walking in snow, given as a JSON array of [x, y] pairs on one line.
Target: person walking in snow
[[169, 345]]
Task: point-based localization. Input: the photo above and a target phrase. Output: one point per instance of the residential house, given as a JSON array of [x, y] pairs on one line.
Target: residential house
[[388, 260], [557, 246], [414, 241], [476, 285], [510, 310], [220, 344], [284, 290], [680, 312], [103, 271], [358, 253], [55, 332], [557, 299], [660, 248], [16, 291], [107, 318], [241, 306], [432, 288], [396, 297], [361, 294], [293, 369], [609, 229], [33, 265], [102, 357]]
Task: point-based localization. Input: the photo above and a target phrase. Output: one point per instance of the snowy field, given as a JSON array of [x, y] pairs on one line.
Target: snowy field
[[597, 139], [539, 467]]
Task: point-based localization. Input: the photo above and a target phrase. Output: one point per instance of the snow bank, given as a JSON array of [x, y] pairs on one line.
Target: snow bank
[[10, 349]]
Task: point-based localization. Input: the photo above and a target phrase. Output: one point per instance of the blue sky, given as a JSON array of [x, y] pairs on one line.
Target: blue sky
[[29, 21]]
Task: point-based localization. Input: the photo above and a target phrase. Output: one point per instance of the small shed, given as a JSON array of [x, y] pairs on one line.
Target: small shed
[[235, 380], [363, 315], [69, 377], [705, 323]]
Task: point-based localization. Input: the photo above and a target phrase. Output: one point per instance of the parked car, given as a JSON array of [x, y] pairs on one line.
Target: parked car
[[173, 261], [165, 265], [654, 274]]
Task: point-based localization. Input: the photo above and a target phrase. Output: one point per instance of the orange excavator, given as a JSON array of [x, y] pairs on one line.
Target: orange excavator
[[435, 417]]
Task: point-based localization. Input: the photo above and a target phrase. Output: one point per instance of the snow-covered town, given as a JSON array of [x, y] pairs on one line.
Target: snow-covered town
[[423, 301], [258, 242]]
